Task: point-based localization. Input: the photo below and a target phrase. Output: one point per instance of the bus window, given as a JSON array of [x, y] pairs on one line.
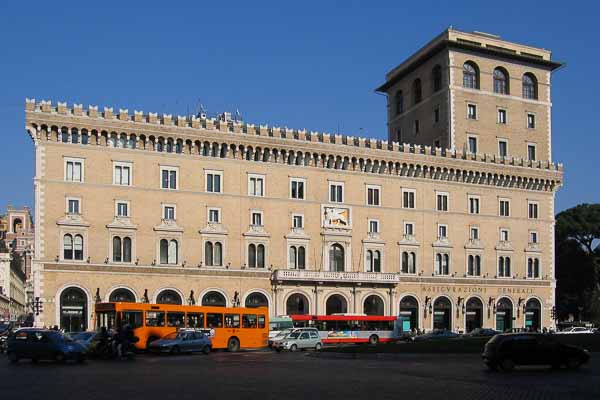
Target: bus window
[[133, 318], [155, 318], [249, 321], [195, 320], [261, 321], [214, 320], [232, 320], [175, 319], [105, 319]]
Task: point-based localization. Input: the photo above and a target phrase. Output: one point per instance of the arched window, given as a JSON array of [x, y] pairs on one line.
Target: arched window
[[73, 310], [438, 264], [301, 257], [218, 255], [208, 254], [409, 313], [127, 250], [470, 75], [477, 270], [471, 266], [442, 310], [64, 135], [260, 256], [336, 258], [169, 297], [399, 102], [169, 251], [446, 265], [169, 146], [159, 145], [501, 82], [117, 255], [74, 135], [256, 299], [436, 77], [85, 138], [251, 256], [533, 315], [408, 262], [373, 305], [500, 266], [533, 268], [68, 247], [504, 266], [373, 261], [297, 304], [442, 262], [123, 141], [474, 314], [121, 295], [417, 93], [530, 86], [336, 304], [178, 148], [293, 262], [214, 299], [78, 247]]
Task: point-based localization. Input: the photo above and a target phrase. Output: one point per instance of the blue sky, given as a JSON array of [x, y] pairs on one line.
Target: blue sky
[[306, 64]]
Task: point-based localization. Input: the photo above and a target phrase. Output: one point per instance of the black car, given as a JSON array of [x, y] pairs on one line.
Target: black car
[[510, 349]]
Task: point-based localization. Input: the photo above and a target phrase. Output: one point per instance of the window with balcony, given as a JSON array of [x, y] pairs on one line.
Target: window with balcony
[[297, 257], [373, 260], [409, 262], [336, 258]]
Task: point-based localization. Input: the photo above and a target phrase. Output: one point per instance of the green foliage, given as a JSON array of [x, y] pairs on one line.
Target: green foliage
[[580, 223]]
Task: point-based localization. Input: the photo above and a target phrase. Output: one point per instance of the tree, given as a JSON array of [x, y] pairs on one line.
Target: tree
[[577, 261]]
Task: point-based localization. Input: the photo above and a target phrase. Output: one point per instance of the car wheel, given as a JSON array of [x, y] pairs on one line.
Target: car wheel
[[293, 348], [373, 339], [13, 357], [175, 350], [206, 349], [507, 364], [318, 347], [60, 357], [233, 345], [573, 363]]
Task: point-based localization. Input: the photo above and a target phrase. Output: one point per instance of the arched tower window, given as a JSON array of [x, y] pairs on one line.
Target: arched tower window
[[470, 75], [530, 90], [501, 82]]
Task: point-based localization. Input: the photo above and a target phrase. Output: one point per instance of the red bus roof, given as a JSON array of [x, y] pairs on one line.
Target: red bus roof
[[342, 318]]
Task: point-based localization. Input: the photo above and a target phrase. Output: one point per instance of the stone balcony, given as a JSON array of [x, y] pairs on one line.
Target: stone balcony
[[329, 276]]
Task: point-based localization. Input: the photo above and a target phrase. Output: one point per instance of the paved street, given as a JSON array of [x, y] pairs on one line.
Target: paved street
[[251, 375]]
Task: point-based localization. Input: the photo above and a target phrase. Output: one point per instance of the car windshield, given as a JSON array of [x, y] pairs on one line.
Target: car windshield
[[294, 335], [284, 333], [172, 336], [82, 335]]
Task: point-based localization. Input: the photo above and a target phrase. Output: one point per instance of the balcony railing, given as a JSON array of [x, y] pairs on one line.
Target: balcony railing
[[329, 276]]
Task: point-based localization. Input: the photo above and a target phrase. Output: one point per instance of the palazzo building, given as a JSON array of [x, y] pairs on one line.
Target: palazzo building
[[446, 228]]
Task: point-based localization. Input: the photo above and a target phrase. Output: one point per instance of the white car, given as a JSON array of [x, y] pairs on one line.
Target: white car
[[575, 330]]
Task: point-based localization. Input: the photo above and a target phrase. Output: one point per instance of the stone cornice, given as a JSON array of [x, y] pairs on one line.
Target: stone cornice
[[283, 145]]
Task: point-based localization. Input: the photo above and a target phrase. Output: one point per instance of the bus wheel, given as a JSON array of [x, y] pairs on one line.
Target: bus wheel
[[233, 345], [373, 339]]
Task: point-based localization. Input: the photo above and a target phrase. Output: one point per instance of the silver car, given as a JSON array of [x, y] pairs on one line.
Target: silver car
[[299, 339]]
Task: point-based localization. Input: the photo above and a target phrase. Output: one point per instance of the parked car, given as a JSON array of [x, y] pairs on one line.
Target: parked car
[[510, 349], [299, 339], [280, 335], [183, 341], [575, 330], [86, 339], [482, 332], [437, 334], [5, 329], [43, 344]]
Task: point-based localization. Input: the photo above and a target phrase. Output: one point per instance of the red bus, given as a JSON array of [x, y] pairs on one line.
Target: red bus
[[350, 328]]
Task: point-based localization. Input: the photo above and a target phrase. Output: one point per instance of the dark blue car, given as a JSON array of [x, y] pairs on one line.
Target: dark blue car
[[43, 344]]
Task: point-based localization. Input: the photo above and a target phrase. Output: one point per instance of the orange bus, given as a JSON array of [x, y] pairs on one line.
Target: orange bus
[[234, 328]]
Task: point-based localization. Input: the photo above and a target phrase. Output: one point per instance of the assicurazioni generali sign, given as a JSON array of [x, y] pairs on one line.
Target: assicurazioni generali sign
[[475, 290]]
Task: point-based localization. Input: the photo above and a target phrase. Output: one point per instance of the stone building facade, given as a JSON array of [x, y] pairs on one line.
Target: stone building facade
[[149, 207], [12, 289]]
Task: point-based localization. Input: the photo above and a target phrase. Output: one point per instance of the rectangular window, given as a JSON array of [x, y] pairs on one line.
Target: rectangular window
[[297, 188], [533, 210], [214, 215], [256, 185], [168, 212], [213, 181], [74, 170], [471, 111], [408, 198], [122, 173], [336, 192], [232, 321], [256, 218], [409, 229], [436, 115], [473, 205], [472, 145], [298, 221], [214, 320], [442, 202], [502, 148], [533, 237], [504, 236], [442, 231], [530, 121], [122, 209], [531, 152], [373, 226], [73, 206], [416, 127], [502, 116], [169, 178], [373, 195], [474, 234], [504, 208]]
